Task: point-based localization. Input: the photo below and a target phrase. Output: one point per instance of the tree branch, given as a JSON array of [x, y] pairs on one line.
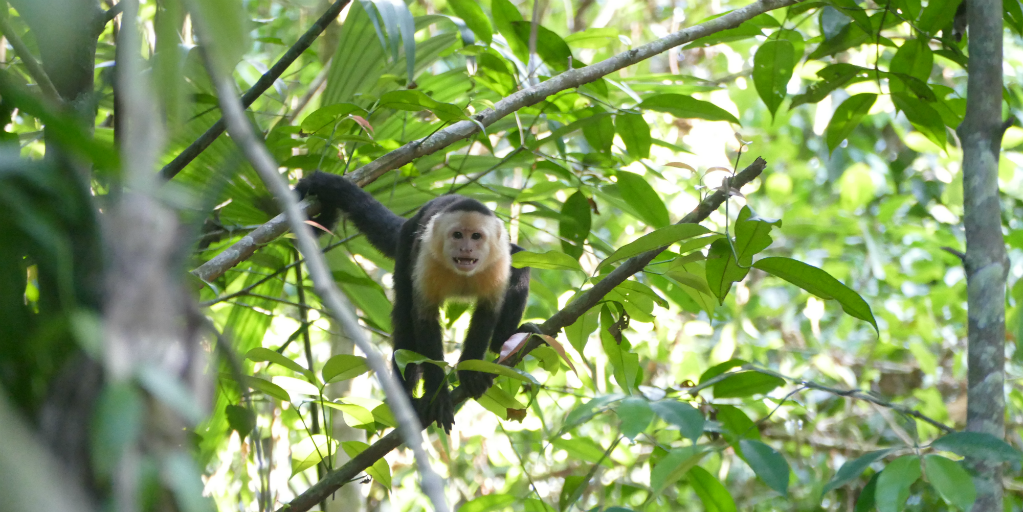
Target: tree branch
[[564, 318], [464, 129], [205, 140], [35, 70]]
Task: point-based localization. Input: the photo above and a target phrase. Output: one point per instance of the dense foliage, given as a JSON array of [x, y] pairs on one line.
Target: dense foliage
[[803, 347]]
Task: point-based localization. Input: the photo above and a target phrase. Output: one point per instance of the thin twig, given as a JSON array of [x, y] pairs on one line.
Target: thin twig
[[32, 66], [265, 82]]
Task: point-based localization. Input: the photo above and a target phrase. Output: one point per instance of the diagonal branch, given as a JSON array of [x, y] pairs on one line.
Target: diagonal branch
[[206, 139], [464, 129], [564, 318], [32, 66]]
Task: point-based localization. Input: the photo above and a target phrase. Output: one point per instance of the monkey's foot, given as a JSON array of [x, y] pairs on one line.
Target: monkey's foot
[[438, 408], [475, 383]]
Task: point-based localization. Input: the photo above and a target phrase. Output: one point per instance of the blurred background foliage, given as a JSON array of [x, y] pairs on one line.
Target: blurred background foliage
[[852, 104]]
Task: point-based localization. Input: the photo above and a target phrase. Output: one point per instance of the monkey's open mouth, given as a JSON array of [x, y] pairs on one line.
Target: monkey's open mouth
[[465, 263]]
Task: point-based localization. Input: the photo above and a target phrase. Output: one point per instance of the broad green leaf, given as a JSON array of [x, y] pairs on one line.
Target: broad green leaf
[[574, 224], [601, 133], [478, 365], [593, 38], [488, 503], [551, 260], [850, 36], [343, 367], [673, 466], [719, 369], [954, 484], [833, 76], [773, 67], [310, 451], [535, 505], [736, 423], [550, 46], [846, 118], [712, 493], [914, 58], [979, 445], [382, 414], [852, 469], [635, 133], [635, 414], [746, 383], [260, 355], [767, 464], [893, 487], [579, 332], [820, 283], [240, 419], [296, 386], [572, 489], [379, 471], [583, 412], [639, 194], [415, 101], [474, 16], [583, 448], [753, 235], [266, 387], [722, 270], [682, 415], [923, 117], [866, 500], [405, 357], [505, 13], [327, 116], [661, 237], [685, 107], [355, 416], [495, 395], [936, 15]]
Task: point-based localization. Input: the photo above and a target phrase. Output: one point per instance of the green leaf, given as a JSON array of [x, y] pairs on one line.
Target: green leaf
[[593, 38], [635, 133], [416, 101], [571, 490], [382, 414], [746, 383], [712, 493], [719, 369], [722, 270], [584, 412], [975, 444], [240, 419], [834, 76], [682, 415], [379, 471], [893, 487], [309, 451], [866, 500], [773, 67], [474, 16], [266, 387], [601, 133], [260, 355], [478, 365], [551, 260], [583, 448], [639, 194], [820, 283], [914, 58], [673, 466], [635, 414], [852, 469], [767, 464], [685, 107], [579, 332], [505, 13], [954, 484], [736, 423], [574, 224], [343, 367], [405, 357], [550, 46], [355, 416], [327, 116], [752, 236], [661, 237], [923, 117], [849, 37], [846, 118], [488, 503], [936, 15]]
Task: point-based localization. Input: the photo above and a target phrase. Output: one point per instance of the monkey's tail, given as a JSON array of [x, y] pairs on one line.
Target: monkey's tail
[[380, 225]]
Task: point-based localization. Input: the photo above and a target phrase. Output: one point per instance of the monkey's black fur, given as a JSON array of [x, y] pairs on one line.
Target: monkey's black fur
[[414, 327]]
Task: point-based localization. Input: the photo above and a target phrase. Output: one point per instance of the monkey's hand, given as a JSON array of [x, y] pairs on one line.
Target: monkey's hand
[[437, 408], [475, 383], [313, 185]]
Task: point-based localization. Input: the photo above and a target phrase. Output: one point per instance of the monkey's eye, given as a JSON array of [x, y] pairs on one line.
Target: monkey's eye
[[476, 236], [457, 235]]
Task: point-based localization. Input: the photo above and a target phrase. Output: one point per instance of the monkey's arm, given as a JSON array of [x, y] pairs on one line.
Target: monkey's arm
[[380, 225], [513, 306]]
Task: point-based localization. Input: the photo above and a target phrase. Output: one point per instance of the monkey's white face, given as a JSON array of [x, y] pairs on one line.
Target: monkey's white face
[[469, 240]]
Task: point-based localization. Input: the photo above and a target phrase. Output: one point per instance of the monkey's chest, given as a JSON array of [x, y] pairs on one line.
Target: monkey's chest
[[436, 284]]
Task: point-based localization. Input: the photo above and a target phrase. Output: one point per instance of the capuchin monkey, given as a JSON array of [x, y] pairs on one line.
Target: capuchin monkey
[[453, 248]]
